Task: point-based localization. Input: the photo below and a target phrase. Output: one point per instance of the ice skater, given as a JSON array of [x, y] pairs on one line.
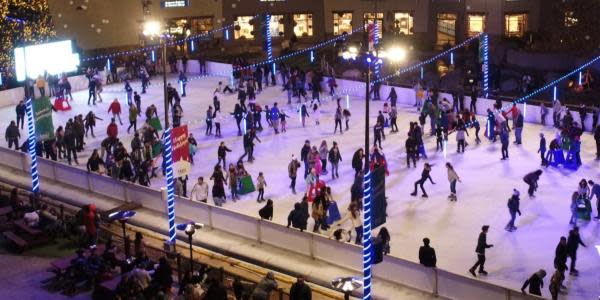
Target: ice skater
[[573, 242], [261, 183], [535, 283], [542, 150], [338, 120], [293, 167], [452, 178], [424, 176], [531, 179], [513, 210], [480, 250], [504, 140]]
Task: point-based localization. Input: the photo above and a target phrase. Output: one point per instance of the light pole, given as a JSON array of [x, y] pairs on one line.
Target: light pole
[[346, 285], [372, 58], [123, 216], [189, 229], [154, 29]]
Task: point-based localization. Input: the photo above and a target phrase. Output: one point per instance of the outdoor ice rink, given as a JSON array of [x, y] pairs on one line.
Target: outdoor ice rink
[[453, 227]]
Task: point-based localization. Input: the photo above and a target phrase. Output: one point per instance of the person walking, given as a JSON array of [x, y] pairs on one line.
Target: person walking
[[378, 133], [393, 119], [561, 253], [304, 114], [532, 181], [535, 283], [218, 189], [200, 191], [573, 242], [323, 151], [261, 183], [556, 283], [427, 254], [452, 178], [133, 114], [338, 120], [480, 250], [412, 148], [293, 167], [358, 161], [513, 209], [542, 150], [519, 121], [461, 131], [115, 109], [424, 176], [12, 135], [304, 157], [20, 111], [504, 140], [335, 157], [222, 154], [209, 120]]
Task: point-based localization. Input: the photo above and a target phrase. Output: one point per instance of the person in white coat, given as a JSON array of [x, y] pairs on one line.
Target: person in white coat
[[452, 178], [200, 191]]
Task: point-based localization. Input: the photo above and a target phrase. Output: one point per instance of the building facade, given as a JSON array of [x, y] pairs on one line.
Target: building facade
[[112, 23]]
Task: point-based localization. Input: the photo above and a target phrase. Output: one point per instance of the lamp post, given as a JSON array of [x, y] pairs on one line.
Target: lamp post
[[347, 285], [372, 58], [154, 29], [123, 216], [189, 229]]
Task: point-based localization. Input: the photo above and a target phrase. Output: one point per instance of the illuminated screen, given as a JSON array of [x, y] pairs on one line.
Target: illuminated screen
[[54, 58]]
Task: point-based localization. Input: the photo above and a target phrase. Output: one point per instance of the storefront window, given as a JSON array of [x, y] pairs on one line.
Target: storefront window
[[403, 23], [515, 25], [201, 25], [342, 23], [475, 24], [276, 26], [303, 25], [243, 28], [446, 30], [370, 18]]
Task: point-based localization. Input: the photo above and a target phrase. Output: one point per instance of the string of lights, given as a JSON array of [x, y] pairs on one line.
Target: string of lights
[[299, 52], [426, 62]]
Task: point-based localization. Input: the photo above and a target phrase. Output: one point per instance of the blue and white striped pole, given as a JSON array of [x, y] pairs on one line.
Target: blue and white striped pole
[[485, 65], [35, 180], [367, 244], [168, 157]]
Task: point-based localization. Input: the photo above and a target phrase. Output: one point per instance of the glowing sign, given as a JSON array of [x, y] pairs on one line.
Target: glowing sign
[[174, 3], [54, 58]]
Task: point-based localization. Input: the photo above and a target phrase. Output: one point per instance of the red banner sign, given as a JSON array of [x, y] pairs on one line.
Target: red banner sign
[[181, 151]]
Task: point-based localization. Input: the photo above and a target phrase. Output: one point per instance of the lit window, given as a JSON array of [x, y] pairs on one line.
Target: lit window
[[446, 30], [178, 26], [515, 25], [370, 18], [276, 26], [201, 25], [244, 30], [403, 23], [476, 24], [570, 19], [342, 23], [303, 25]]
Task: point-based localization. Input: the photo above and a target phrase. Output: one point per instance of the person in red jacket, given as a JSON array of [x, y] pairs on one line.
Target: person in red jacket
[[112, 130], [115, 108]]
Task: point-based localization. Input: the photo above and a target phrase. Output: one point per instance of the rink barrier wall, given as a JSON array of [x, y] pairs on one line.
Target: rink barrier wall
[[392, 270], [12, 97]]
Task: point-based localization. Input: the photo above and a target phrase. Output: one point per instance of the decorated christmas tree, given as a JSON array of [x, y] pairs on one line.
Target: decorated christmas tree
[[22, 22]]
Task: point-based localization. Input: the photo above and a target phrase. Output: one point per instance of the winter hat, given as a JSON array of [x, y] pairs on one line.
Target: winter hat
[[485, 227], [516, 192]]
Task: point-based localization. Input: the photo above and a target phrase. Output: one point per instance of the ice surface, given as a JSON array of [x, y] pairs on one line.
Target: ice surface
[[453, 227]]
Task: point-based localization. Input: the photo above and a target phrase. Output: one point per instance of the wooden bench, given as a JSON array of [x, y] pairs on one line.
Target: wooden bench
[[16, 240], [26, 228]]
